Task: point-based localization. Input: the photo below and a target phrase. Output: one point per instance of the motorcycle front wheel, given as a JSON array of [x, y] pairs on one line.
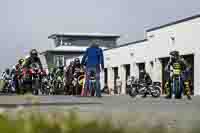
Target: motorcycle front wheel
[[156, 92], [133, 92]]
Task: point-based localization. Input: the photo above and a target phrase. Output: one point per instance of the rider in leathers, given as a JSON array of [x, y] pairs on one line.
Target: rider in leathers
[[69, 77], [33, 59], [77, 70], [17, 75], [76, 67], [31, 62], [178, 65]]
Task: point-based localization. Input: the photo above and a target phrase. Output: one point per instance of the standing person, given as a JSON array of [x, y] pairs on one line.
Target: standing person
[[179, 67], [69, 77], [119, 85], [94, 61]]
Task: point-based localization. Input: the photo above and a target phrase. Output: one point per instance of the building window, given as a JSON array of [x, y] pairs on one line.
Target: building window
[[173, 40], [59, 60], [68, 43], [151, 36]]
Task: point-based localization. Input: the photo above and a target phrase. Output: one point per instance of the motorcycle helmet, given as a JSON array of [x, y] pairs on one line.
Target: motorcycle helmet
[[33, 53], [77, 61], [174, 54], [61, 67], [7, 70], [20, 61]]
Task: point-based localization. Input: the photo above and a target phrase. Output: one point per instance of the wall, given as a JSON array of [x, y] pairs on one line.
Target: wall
[[159, 45]]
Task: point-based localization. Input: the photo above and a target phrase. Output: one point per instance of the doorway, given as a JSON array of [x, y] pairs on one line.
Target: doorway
[[141, 66], [105, 76], [127, 70], [116, 74]]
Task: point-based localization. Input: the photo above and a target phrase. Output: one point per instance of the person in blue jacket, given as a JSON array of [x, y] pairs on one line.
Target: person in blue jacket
[[93, 59]]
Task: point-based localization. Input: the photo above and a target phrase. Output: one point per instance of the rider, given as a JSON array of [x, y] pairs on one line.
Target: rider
[[6, 74], [69, 76], [33, 59], [146, 79], [179, 66], [6, 77], [17, 73], [77, 67], [93, 59], [77, 72]]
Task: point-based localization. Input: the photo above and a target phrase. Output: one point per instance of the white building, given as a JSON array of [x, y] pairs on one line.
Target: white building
[[153, 52]]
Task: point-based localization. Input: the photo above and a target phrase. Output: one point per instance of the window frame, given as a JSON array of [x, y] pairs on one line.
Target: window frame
[[57, 58]]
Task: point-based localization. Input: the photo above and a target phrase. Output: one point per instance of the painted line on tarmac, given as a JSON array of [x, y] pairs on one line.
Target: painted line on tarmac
[[48, 104]]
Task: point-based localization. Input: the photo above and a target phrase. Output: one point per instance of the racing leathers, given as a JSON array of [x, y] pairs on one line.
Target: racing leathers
[[17, 74], [31, 62]]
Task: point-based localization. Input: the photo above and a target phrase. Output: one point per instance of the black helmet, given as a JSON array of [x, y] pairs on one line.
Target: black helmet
[[33, 53], [20, 61], [77, 60], [7, 70], [174, 53], [61, 67]]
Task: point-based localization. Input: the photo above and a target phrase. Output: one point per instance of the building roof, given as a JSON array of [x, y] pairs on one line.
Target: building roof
[[83, 35], [69, 49], [126, 44], [173, 23]]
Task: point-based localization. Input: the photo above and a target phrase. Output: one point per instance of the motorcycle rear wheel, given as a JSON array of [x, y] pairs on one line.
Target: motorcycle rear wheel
[[156, 92]]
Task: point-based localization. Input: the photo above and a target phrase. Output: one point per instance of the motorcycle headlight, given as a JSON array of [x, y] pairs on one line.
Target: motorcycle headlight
[[59, 78]]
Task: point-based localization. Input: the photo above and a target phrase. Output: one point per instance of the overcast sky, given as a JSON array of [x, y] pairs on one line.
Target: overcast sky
[[26, 24]]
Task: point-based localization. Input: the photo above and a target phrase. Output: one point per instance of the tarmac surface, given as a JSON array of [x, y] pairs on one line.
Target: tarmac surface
[[181, 113]]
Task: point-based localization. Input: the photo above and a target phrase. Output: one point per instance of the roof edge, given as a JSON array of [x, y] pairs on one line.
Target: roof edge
[[84, 35], [173, 23], [126, 44]]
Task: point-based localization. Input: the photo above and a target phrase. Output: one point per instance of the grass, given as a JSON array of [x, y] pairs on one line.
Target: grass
[[70, 122]]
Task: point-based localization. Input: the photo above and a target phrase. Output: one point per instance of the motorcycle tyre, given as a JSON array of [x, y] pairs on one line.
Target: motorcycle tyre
[[156, 88], [133, 93]]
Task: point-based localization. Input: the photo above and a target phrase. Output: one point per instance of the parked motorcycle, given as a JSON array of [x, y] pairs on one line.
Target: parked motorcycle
[[137, 88]]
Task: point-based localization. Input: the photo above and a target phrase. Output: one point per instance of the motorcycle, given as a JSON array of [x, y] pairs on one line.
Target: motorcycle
[[77, 82], [58, 84], [46, 87], [176, 84], [137, 87], [36, 80], [8, 86]]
